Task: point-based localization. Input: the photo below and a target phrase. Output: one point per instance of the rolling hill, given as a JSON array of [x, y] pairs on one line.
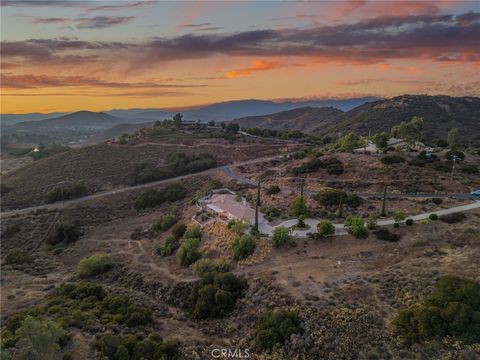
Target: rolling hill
[[302, 119], [440, 114]]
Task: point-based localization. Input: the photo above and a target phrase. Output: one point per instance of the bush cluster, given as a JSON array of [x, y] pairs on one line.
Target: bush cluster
[[153, 198], [243, 246], [325, 228], [204, 266], [281, 236], [433, 217], [452, 309], [170, 246], [134, 347], [276, 328], [332, 197], [356, 226], [453, 218], [66, 193], [94, 265], [83, 305], [272, 190], [392, 159], [308, 167], [178, 163], [386, 235], [65, 231], [215, 295], [164, 223], [189, 252], [18, 257]]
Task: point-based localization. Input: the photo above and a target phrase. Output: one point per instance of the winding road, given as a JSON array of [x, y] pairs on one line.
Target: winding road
[[225, 169]]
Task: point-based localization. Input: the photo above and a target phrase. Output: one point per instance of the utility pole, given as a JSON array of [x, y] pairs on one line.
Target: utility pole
[[455, 158], [383, 201]]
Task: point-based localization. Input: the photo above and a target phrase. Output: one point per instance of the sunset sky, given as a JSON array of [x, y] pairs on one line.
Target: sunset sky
[[98, 55]]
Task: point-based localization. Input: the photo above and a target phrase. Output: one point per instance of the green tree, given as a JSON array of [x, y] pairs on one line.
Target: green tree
[[454, 139], [276, 327], [177, 120], [94, 265], [325, 228], [281, 236], [243, 246], [380, 140], [410, 131], [399, 216], [39, 340], [299, 206], [349, 142], [188, 252]]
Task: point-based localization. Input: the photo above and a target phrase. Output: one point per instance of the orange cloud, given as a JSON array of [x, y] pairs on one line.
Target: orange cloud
[[258, 65]]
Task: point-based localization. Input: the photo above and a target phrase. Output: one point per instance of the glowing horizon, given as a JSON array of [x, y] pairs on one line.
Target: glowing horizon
[[100, 55]]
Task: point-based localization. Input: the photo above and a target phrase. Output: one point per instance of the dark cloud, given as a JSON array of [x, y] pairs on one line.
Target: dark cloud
[[437, 37], [99, 22], [193, 26], [43, 3], [32, 81], [120, 6]]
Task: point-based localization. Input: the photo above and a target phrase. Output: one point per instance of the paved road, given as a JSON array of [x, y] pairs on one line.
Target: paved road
[[266, 228], [225, 168]]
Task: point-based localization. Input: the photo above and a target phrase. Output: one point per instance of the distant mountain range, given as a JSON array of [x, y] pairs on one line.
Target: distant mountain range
[[440, 114], [326, 117], [223, 111]]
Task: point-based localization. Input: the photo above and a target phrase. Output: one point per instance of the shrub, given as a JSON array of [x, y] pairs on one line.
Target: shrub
[[66, 193], [18, 257], [392, 159], [396, 225], [193, 232], [453, 218], [333, 166], [238, 226], [399, 216], [433, 217], [386, 235], [450, 310], [356, 226], [115, 347], [188, 252], [39, 339], [440, 166], [308, 167], [170, 246], [178, 231], [409, 222], [276, 328], [144, 172], [272, 190], [94, 265], [325, 228], [204, 266], [441, 143], [65, 231], [469, 169], [243, 246], [299, 206], [10, 230], [164, 223], [437, 201], [332, 197], [215, 295], [153, 198], [281, 236]]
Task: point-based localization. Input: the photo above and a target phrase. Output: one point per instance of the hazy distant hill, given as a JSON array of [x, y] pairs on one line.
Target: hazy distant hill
[[302, 119], [440, 114]]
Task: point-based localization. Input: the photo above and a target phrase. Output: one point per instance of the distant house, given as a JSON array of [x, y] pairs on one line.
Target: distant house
[[230, 206], [397, 144]]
